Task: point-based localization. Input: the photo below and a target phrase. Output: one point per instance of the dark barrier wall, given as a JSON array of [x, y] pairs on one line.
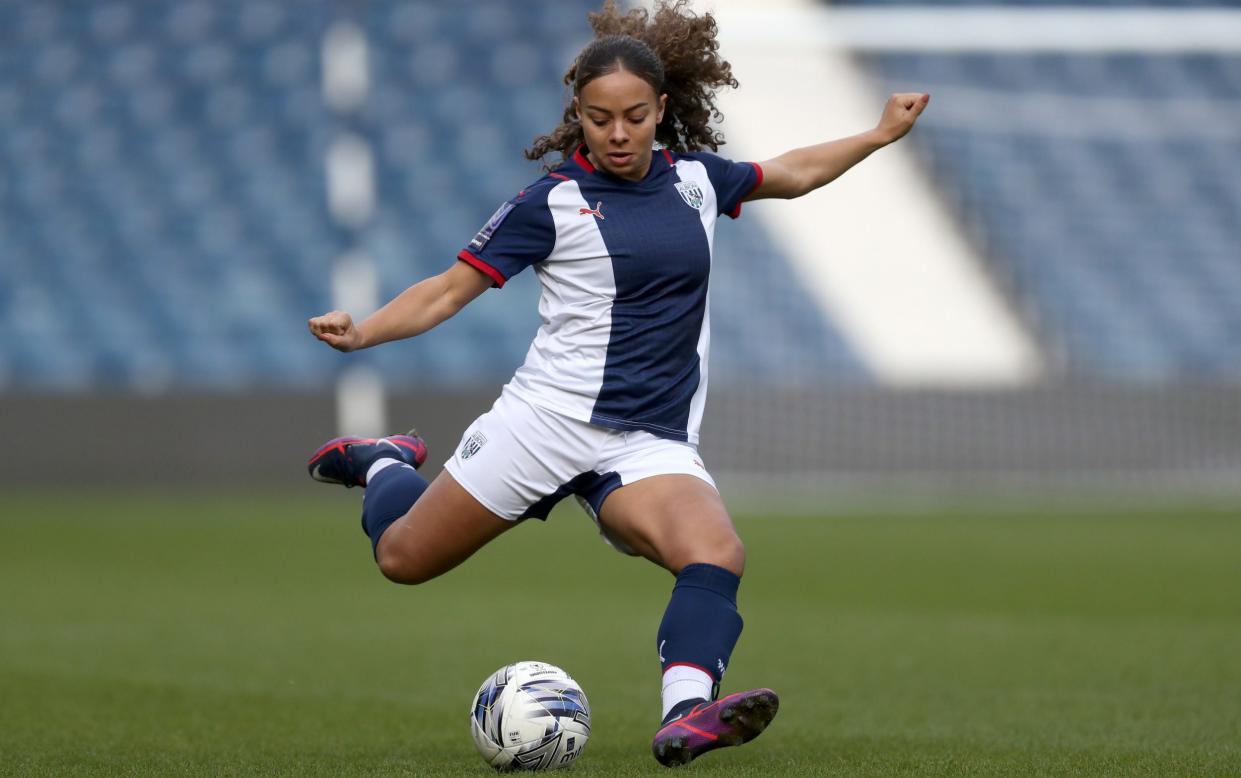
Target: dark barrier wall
[[1114, 433], [228, 439]]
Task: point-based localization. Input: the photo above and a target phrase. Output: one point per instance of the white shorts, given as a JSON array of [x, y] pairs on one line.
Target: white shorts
[[519, 460]]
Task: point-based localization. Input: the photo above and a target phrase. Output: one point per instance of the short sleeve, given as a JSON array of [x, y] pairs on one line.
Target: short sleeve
[[733, 181], [520, 233]]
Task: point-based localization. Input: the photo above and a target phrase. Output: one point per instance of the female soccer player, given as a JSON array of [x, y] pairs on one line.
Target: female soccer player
[[608, 404]]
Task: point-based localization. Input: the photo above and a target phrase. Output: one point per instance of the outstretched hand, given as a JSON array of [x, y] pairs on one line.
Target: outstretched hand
[[337, 330], [899, 115]]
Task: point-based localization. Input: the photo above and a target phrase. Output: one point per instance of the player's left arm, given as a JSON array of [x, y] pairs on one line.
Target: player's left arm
[[804, 170]]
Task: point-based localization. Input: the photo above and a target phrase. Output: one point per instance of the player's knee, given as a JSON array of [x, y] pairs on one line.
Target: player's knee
[[731, 553], [726, 551], [400, 567]]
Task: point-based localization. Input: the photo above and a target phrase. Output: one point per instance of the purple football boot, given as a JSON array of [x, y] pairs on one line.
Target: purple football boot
[[736, 719], [346, 460]]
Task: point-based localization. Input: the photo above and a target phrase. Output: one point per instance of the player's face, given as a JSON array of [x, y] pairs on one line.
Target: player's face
[[619, 113]]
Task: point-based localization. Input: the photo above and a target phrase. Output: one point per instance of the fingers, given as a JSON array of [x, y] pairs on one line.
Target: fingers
[[338, 342], [912, 101], [335, 329], [329, 338], [900, 114], [336, 323]]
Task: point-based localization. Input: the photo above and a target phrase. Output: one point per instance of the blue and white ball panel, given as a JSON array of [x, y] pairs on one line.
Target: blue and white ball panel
[[624, 269]]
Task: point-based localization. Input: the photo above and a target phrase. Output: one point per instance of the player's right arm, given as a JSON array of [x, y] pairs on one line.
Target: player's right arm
[[412, 312]]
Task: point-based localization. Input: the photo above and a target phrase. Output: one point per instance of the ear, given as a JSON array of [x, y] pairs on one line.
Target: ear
[[663, 103], [577, 108]]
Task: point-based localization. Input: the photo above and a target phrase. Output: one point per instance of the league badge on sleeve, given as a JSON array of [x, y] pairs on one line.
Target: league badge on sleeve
[[691, 193], [489, 228]]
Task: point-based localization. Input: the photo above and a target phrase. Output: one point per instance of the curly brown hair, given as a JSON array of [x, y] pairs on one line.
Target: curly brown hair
[[674, 50]]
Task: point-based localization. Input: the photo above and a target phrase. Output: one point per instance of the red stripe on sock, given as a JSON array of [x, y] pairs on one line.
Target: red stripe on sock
[[689, 664]]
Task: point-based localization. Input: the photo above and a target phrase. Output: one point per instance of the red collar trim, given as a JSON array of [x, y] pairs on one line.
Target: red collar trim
[[581, 160], [579, 157]]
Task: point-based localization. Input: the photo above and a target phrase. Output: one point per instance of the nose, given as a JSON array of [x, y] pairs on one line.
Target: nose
[[618, 136]]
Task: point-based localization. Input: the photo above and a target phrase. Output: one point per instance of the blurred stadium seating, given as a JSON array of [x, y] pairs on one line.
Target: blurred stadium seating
[[161, 207], [164, 210], [165, 221], [1103, 189], [165, 231]]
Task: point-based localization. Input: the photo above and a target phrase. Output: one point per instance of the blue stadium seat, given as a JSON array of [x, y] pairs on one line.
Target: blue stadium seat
[[165, 222], [1119, 242]]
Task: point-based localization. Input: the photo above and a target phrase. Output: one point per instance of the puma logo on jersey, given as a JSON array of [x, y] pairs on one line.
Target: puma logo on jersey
[[596, 211]]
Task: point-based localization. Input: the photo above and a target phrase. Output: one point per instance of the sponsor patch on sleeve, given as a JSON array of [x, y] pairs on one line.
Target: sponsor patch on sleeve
[[484, 235]]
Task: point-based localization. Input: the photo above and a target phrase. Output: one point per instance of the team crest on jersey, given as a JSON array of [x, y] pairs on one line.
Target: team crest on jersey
[[489, 228], [691, 193], [472, 444]]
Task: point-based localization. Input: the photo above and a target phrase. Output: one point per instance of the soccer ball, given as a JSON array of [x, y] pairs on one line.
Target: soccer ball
[[530, 716]]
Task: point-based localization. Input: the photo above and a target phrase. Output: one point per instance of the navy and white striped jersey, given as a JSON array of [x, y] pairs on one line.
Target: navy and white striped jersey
[[623, 267]]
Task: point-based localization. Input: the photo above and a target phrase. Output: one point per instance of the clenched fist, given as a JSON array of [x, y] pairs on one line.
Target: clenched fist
[[899, 115], [337, 330]]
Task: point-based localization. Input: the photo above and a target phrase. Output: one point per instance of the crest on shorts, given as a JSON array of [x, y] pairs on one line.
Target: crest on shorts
[[691, 193], [472, 444]]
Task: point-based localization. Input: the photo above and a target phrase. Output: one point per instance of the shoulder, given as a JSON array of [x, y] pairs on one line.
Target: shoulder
[[732, 181], [707, 158], [535, 194], [524, 217], [723, 173], [718, 169]]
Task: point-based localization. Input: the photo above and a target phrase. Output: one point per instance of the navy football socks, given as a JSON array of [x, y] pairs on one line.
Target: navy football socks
[[701, 625], [389, 496]]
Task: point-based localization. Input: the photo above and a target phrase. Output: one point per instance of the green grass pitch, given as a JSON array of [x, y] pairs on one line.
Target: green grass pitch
[[235, 635]]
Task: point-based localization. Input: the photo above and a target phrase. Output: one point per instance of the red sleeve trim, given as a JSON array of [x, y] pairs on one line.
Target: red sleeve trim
[[758, 169], [482, 267], [580, 159], [558, 175]]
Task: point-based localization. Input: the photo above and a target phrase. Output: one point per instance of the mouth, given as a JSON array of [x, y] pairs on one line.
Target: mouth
[[620, 158]]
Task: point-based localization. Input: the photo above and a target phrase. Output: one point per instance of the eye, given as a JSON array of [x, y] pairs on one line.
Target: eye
[[638, 119], [599, 122]]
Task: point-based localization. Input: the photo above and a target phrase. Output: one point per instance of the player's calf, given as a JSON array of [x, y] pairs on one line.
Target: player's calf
[[444, 528]]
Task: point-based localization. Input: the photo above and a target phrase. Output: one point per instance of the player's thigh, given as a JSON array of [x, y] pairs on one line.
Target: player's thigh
[[442, 529], [511, 462], [673, 520]]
